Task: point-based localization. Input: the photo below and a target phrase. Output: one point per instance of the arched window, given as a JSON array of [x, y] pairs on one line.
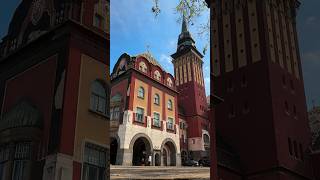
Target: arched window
[[156, 99], [170, 104], [98, 98], [169, 82], [143, 67], [141, 92], [157, 75]]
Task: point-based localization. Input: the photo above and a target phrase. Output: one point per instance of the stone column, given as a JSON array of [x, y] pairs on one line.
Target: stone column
[[127, 157]]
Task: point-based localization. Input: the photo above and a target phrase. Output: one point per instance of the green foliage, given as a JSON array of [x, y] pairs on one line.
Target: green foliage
[[191, 10]]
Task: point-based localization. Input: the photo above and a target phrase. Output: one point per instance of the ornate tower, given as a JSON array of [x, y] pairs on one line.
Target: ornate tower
[[192, 98], [257, 70]]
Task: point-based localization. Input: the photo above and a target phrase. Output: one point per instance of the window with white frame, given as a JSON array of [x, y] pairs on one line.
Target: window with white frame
[[143, 67], [170, 123], [139, 114], [170, 104], [157, 75], [156, 99], [156, 119], [95, 161], [141, 92], [22, 155], [98, 99]]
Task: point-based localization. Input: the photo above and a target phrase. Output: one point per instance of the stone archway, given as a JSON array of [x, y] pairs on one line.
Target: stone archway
[[113, 151], [169, 153], [141, 148]]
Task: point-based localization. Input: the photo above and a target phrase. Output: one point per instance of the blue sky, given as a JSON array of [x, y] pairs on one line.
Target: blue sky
[[134, 28]]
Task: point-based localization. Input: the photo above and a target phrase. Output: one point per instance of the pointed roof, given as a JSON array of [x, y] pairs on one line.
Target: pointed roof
[[185, 40], [184, 25]]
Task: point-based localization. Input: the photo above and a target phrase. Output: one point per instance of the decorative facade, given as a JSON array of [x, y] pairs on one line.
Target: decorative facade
[[262, 126], [54, 113], [144, 114], [158, 119]]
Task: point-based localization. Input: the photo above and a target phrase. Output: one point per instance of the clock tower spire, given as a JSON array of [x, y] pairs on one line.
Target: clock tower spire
[[187, 61]]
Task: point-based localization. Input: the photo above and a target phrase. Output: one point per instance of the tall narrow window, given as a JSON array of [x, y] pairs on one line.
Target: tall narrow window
[[94, 166], [141, 92], [139, 114], [115, 113], [156, 119], [98, 98], [170, 104], [170, 123], [156, 99]]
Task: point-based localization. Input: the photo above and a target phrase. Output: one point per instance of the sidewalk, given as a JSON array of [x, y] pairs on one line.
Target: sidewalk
[[159, 172]]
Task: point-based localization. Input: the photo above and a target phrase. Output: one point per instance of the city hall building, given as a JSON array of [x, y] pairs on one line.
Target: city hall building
[[158, 119], [54, 91]]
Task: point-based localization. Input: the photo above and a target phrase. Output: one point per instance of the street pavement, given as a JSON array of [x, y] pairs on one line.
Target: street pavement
[[159, 172]]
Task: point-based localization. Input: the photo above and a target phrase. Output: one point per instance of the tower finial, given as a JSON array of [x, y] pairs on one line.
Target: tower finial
[[184, 24]]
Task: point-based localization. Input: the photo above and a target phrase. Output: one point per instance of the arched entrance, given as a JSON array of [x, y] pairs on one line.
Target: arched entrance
[[113, 151], [165, 157], [157, 160], [141, 152], [169, 153]]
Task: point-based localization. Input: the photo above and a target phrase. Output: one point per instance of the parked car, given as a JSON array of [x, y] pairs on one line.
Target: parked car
[[190, 162], [204, 162]]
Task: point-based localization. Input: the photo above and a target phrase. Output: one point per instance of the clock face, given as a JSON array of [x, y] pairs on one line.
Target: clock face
[[37, 11]]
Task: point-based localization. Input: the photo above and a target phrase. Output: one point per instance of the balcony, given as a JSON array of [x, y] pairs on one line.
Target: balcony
[[171, 128], [156, 126], [139, 119]]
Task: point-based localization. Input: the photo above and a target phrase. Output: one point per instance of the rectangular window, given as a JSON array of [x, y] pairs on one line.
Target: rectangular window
[[98, 103], [95, 159], [116, 114], [156, 119], [170, 123], [139, 114]]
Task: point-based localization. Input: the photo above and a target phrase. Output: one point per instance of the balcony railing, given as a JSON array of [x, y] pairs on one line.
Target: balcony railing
[[139, 119], [154, 125]]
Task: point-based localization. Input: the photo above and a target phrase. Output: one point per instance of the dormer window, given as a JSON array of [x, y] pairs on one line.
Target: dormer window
[[143, 67], [169, 82], [157, 75]]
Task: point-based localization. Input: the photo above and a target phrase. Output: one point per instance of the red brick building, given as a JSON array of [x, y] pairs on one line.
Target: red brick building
[[145, 98], [53, 91], [262, 125]]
